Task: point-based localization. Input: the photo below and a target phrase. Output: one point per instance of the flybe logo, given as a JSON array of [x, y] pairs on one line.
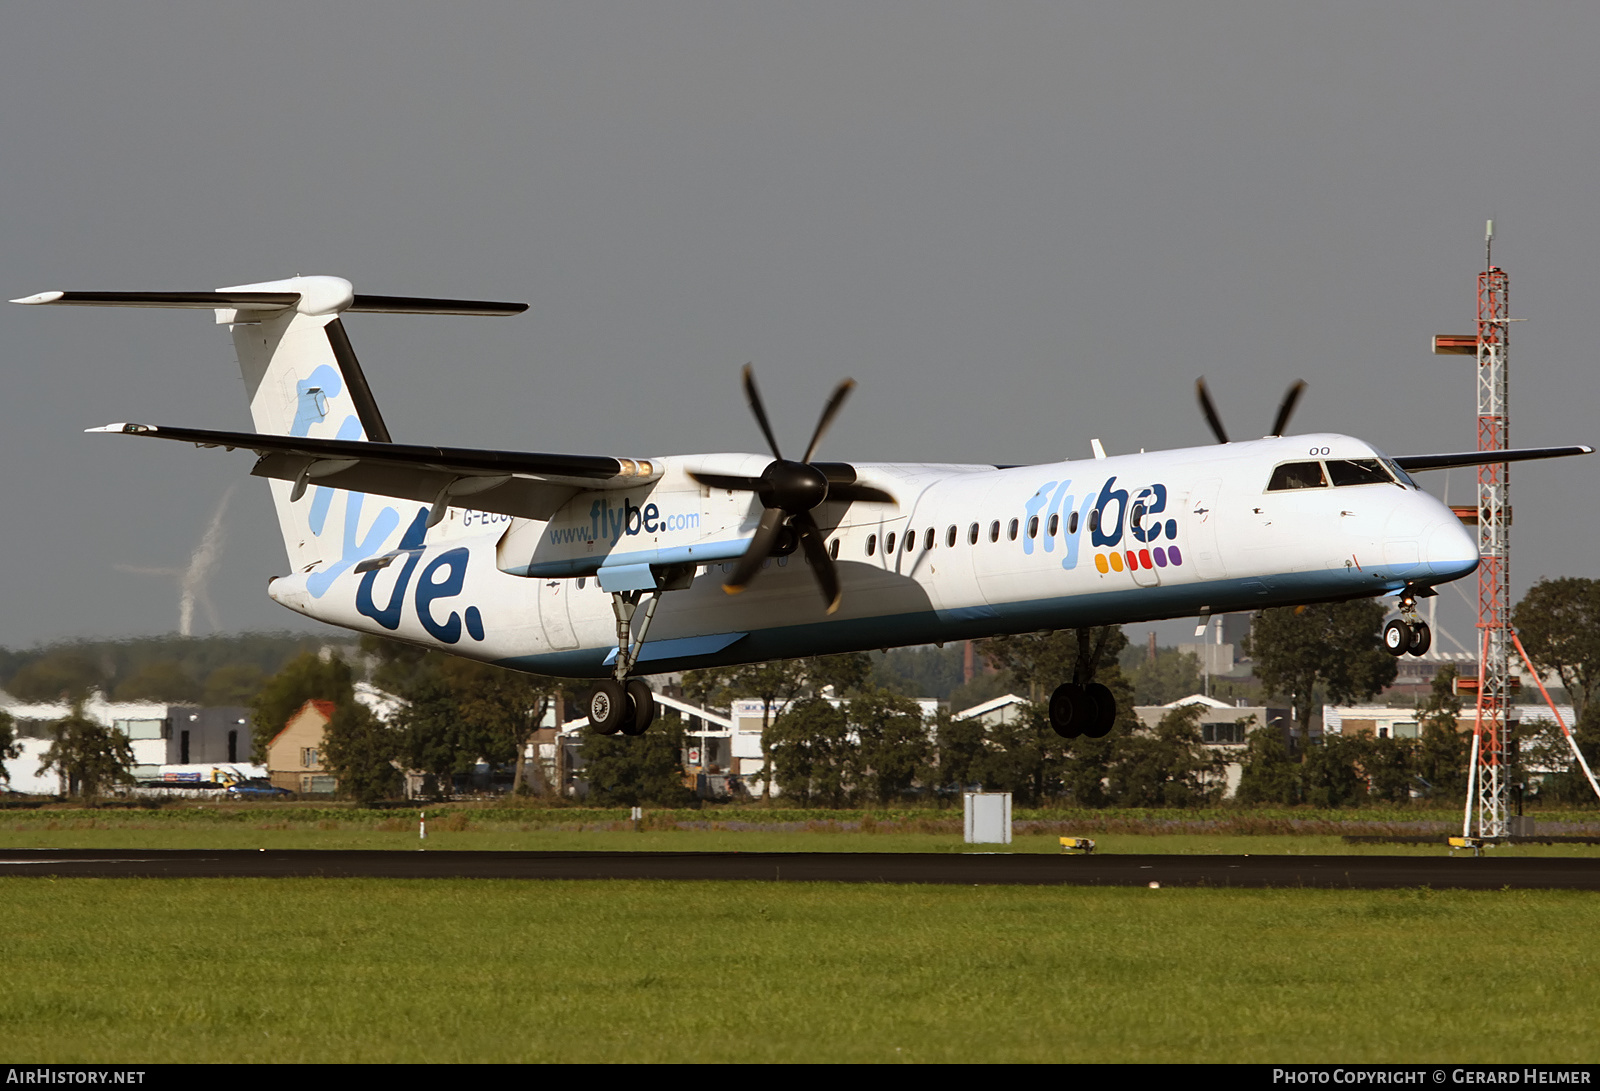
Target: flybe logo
[[442, 578], [1124, 532], [610, 522]]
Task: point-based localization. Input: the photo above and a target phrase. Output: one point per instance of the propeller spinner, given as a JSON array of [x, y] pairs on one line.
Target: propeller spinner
[[788, 490]]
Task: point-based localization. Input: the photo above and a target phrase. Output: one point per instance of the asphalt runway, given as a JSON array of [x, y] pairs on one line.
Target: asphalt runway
[[1033, 869]]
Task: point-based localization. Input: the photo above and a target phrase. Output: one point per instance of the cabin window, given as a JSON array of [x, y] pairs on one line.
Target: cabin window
[[1094, 520], [872, 544], [950, 537], [994, 531], [972, 534], [1011, 531], [927, 539], [833, 549], [581, 581], [1055, 524], [1297, 475], [1357, 471], [1136, 515], [1033, 527], [911, 541], [1072, 523], [888, 543]]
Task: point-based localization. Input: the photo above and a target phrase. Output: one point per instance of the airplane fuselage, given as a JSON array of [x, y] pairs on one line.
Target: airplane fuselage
[[964, 552]]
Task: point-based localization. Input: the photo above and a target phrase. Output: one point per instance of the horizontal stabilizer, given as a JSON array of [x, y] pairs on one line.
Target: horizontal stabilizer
[[1413, 463], [326, 292]]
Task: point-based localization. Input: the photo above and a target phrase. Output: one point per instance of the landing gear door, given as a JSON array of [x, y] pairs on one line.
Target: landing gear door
[[555, 613]]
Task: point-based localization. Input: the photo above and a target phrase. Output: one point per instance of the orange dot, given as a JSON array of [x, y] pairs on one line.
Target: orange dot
[[1100, 562], [1116, 561]]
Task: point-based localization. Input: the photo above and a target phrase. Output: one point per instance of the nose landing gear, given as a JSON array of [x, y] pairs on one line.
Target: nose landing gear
[[1408, 634]]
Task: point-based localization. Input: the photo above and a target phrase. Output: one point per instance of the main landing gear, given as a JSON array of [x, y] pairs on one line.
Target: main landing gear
[[1079, 709], [1408, 634], [627, 704]]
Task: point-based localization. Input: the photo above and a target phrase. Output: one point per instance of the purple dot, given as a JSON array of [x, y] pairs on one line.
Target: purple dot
[[1160, 556], [1172, 529], [1173, 555]]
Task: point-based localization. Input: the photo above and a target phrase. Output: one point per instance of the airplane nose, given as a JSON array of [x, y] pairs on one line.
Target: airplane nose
[[1452, 550]]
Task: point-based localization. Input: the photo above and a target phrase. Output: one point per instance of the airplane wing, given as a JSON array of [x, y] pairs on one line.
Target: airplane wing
[[1412, 463], [517, 483]]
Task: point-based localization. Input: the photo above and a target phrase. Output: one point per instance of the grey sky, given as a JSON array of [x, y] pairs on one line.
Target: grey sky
[[1018, 226]]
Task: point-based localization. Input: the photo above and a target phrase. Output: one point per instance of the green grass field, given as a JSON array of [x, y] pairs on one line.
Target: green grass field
[[132, 971]]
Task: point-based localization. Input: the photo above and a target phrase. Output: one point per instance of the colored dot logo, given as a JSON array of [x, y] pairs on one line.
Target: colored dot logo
[[1134, 560]]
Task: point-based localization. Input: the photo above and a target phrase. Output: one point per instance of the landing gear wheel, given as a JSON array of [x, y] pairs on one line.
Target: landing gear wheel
[[641, 706], [1071, 711], [1397, 637], [1421, 639], [608, 706], [1105, 710]]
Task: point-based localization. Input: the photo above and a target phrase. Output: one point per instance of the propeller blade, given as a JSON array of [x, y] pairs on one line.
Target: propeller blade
[[1286, 409], [816, 547], [753, 396], [1210, 411], [761, 543], [829, 411]]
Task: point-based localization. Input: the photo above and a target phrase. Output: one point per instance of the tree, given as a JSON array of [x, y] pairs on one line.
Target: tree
[[1558, 622], [1269, 774], [1171, 676], [1442, 749], [894, 751], [628, 770], [91, 756], [1168, 766], [457, 711], [813, 756], [1331, 645], [63, 674], [1389, 765], [162, 680], [305, 678], [361, 752], [1332, 778], [777, 684], [9, 746]]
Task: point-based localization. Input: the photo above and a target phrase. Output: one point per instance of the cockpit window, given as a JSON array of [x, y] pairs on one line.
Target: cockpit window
[[1357, 471], [1297, 475], [1400, 474]]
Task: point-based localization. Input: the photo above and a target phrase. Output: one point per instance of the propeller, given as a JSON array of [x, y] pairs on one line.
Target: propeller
[[1280, 423], [788, 491]]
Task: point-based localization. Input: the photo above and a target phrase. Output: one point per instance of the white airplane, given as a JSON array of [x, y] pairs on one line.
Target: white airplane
[[542, 562]]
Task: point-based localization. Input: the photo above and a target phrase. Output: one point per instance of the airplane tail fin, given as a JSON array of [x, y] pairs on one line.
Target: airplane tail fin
[[303, 379]]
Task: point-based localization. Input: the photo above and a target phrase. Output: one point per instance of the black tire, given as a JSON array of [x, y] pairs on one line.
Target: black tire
[[641, 706], [1421, 639], [608, 706], [1105, 710], [1396, 638], [1070, 710]]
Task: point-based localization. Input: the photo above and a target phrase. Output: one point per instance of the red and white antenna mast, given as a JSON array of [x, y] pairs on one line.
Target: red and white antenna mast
[[1495, 685], [1491, 736]]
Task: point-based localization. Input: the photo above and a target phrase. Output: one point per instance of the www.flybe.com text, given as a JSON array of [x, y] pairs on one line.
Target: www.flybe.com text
[[609, 522]]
